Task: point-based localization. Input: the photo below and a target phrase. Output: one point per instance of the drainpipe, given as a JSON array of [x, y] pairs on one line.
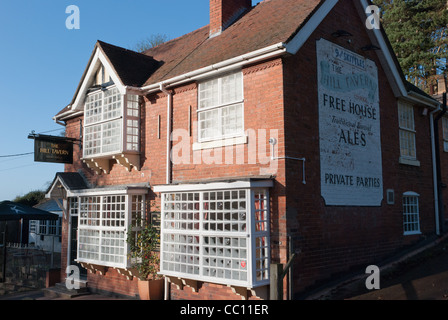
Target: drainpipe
[[439, 205], [168, 133], [434, 168], [169, 96]]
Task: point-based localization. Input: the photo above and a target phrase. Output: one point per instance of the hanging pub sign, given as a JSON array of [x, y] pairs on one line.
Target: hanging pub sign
[[349, 126], [53, 149]]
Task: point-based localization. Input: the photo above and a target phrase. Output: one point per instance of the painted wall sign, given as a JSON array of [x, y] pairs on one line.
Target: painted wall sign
[[349, 127], [54, 151]]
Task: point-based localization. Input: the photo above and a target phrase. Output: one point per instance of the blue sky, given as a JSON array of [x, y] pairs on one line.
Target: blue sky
[[41, 64]]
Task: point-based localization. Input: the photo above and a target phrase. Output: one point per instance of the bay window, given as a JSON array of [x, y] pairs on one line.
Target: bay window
[[220, 111], [111, 123], [103, 222], [216, 235]]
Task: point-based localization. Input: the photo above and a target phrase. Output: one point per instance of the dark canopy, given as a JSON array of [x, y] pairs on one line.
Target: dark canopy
[[10, 211]]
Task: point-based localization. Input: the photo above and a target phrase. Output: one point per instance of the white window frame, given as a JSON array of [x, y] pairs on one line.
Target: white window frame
[[407, 134], [53, 227], [46, 227], [126, 120], [34, 224], [411, 213], [43, 228], [100, 246], [218, 107], [183, 249]]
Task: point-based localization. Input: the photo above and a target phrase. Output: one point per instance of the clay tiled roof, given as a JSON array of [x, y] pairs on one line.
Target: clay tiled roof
[[268, 23]]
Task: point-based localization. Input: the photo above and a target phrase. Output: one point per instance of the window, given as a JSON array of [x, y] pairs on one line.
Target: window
[[50, 227], [133, 123], [445, 133], [411, 218], [43, 227], [220, 236], [33, 224], [103, 223], [407, 131], [112, 123], [220, 111], [73, 205], [390, 196]]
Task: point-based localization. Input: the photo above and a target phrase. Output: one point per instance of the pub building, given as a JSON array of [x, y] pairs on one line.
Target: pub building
[[280, 132]]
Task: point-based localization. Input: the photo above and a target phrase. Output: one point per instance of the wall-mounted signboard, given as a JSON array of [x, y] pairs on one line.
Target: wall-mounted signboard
[[53, 149], [349, 127]]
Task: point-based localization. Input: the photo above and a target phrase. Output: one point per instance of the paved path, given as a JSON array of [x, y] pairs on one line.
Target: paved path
[[427, 280], [422, 277], [39, 295]]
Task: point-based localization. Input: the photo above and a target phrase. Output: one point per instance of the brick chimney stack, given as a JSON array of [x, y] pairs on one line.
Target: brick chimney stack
[[224, 12]]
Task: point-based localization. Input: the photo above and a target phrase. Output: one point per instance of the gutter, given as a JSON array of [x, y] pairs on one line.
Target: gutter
[[220, 67], [272, 51], [418, 98]]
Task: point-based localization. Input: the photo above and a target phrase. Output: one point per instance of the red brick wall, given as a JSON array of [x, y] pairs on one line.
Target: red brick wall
[[262, 91], [113, 282], [444, 171], [335, 239], [266, 79], [332, 239], [64, 248]]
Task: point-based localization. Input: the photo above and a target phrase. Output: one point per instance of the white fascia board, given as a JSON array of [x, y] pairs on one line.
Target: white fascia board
[[99, 58], [214, 186], [69, 114], [110, 191], [420, 99], [305, 32]]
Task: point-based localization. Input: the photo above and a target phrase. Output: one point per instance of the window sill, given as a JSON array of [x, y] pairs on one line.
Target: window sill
[[409, 162], [219, 143], [412, 233]]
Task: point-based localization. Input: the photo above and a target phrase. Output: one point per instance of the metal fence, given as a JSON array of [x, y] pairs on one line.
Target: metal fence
[[27, 265]]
